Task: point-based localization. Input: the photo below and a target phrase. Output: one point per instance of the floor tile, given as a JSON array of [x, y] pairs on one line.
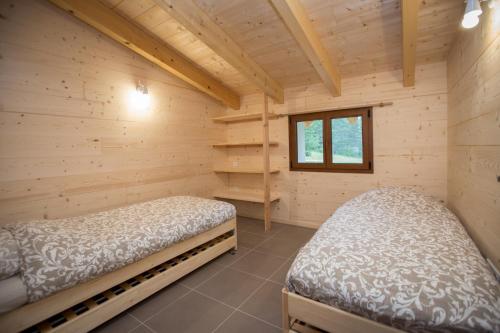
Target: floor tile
[[259, 264], [277, 226], [296, 233], [229, 258], [141, 329], [158, 301], [250, 240], [257, 227], [280, 246], [201, 274], [120, 323], [280, 275], [192, 313], [266, 303], [242, 323], [230, 286], [244, 222]]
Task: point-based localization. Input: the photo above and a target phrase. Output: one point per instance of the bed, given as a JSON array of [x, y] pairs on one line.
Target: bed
[[392, 260], [74, 273]]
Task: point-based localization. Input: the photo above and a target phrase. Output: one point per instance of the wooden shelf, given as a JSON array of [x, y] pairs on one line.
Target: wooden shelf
[[242, 170], [263, 196], [243, 117], [242, 144], [244, 195]]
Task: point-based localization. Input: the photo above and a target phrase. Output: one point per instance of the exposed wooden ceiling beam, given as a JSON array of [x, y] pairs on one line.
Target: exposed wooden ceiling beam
[[115, 26], [409, 14], [295, 18], [194, 19]]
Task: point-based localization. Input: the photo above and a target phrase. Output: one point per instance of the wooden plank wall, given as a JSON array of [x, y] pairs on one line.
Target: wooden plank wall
[[474, 131], [409, 144], [69, 143]]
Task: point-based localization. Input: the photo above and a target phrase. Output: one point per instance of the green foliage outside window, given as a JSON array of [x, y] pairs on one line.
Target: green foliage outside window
[[313, 132], [347, 140]]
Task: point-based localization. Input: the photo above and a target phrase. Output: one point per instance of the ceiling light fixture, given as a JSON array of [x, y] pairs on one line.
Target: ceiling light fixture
[[472, 13], [469, 22]]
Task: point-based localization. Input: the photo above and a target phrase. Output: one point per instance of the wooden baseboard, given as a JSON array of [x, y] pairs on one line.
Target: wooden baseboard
[[297, 223]]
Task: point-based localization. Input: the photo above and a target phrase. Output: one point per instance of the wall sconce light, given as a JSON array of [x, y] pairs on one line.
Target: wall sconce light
[[140, 98]]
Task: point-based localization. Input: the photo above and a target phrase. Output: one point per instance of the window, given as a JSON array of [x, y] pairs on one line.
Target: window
[[333, 141]]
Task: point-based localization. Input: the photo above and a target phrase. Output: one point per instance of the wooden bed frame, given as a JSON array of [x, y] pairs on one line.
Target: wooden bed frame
[[86, 306], [299, 312]]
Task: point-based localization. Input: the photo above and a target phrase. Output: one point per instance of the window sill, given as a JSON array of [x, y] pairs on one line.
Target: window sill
[[332, 170]]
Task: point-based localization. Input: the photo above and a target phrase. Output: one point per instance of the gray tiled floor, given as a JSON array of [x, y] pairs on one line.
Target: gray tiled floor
[[234, 293]]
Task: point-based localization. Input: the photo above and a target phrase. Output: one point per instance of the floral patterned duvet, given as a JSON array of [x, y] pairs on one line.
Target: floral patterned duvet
[[57, 254], [400, 258]]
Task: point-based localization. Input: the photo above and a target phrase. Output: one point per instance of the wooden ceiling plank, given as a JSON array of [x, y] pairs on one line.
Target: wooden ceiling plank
[[115, 26], [295, 18], [409, 14], [194, 19]]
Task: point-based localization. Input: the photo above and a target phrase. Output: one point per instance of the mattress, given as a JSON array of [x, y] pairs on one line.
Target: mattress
[[58, 254], [400, 258]]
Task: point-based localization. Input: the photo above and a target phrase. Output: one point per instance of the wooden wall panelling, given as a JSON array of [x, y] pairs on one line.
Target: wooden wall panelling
[[474, 132], [70, 143], [409, 144]]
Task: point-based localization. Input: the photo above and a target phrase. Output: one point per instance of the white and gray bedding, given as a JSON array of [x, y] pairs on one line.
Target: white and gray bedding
[[51, 255], [400, 258]]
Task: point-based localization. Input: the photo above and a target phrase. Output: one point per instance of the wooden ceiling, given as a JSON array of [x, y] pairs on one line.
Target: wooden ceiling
[[361, 36]]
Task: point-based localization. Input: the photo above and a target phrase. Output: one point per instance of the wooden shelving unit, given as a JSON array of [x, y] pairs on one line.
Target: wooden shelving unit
[[242, 144], [244, 195], [263, 196], [243, 117]]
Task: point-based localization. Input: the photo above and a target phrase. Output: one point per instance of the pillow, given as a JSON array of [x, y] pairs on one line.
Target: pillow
[[9, 255]]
